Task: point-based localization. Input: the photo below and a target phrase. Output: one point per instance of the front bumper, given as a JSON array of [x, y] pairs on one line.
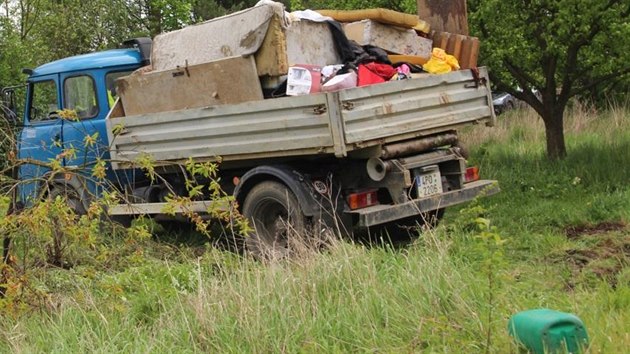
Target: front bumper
[[380, 214]]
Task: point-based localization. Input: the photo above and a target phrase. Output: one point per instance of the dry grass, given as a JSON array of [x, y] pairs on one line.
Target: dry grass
[[524, 125]]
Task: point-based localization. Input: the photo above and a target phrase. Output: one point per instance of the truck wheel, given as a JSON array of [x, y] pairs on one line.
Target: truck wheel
[[71, 197], [405, 230], [276, 217]]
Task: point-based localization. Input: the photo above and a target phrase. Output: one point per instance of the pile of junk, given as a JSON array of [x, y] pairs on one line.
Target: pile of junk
[[265, 52]]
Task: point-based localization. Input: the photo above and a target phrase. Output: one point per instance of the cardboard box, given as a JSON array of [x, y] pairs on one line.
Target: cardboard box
[[304, 79], [226, 81], [341, 82], [392, 39]]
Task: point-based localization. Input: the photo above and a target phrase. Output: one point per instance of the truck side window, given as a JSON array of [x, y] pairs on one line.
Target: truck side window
[[110, 82], [80, 96], [44, 103]]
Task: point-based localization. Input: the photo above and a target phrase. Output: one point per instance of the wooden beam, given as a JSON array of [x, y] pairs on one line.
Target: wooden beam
[[445, 16]]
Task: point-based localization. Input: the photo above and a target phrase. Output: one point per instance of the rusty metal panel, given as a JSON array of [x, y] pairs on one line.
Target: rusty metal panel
[[409, 108], [271, 128]]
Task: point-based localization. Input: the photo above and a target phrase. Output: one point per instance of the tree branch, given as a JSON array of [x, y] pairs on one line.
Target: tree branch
[[526, 82], [132, 13], [618, 75]]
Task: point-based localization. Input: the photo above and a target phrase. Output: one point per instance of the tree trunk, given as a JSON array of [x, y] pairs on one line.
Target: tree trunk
[[554, 131], [446, 16], [154, 13]]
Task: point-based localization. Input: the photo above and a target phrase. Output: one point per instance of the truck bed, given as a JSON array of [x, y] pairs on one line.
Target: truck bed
[[335, 123]]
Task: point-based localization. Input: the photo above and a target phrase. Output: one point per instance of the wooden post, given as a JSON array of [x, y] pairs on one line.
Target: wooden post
[[445, 15]]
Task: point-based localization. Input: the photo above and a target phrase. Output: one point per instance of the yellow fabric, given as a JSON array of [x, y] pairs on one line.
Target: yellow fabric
[[440, 62], [436, 66], [385, 16], [110, 99], [452, 62]]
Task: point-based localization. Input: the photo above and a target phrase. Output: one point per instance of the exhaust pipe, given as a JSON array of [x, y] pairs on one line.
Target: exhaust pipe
[[407, 148], [377, 169]]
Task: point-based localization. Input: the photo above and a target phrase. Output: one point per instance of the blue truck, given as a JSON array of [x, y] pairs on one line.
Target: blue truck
[[381, 157]]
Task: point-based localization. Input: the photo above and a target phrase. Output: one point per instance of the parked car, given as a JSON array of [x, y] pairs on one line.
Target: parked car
[[503, 101]]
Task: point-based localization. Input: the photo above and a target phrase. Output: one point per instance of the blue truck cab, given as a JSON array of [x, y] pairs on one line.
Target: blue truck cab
[[67, 102]]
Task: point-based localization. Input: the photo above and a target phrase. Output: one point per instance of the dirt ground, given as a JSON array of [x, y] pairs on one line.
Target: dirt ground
[[599, 251]]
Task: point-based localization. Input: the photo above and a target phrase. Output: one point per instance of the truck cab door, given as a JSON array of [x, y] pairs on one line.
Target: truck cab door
[[84, 133], [41, 140], [88, 94]]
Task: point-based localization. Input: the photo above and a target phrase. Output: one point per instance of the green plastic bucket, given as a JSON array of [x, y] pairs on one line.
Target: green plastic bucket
[[548, 331]]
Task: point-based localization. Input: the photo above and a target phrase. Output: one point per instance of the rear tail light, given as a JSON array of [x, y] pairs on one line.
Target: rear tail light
[[362, 199], [472, 174]]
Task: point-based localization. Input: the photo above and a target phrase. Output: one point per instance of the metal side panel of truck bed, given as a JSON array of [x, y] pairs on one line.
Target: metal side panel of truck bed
[[409, 108], [325, 123]]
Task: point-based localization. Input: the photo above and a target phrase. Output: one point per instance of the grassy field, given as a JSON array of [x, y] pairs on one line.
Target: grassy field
[[567, 247]]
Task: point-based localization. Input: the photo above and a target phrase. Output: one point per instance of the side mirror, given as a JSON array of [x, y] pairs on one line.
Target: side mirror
[[8, 105]]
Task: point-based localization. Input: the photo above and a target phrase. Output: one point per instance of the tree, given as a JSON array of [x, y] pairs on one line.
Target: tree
[[446, 16], [557, 48], [207, 9]]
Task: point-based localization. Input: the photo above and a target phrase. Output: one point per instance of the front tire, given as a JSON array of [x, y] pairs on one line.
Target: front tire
[[275, 214], [70, 196]]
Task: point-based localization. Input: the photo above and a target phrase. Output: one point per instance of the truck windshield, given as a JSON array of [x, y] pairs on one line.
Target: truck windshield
[[80, 96], [44, 101]]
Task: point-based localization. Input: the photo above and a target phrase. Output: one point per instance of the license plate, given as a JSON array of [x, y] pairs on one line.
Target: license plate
[[429, 184]]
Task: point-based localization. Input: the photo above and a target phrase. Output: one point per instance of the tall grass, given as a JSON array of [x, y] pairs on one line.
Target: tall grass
[[429, 297], [349, 299], [589, 186]]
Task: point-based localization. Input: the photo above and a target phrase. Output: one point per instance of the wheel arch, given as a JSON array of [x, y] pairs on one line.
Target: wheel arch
[[297, 183], [66, 181]]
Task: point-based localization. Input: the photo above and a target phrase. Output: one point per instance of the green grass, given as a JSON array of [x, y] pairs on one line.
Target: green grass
[[430, 297]]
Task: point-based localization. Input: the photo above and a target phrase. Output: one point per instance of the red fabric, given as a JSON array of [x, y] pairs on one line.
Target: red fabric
[[374, 73]]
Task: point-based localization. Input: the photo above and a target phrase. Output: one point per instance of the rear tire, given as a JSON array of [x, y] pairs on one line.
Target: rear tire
[[275, 214]]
